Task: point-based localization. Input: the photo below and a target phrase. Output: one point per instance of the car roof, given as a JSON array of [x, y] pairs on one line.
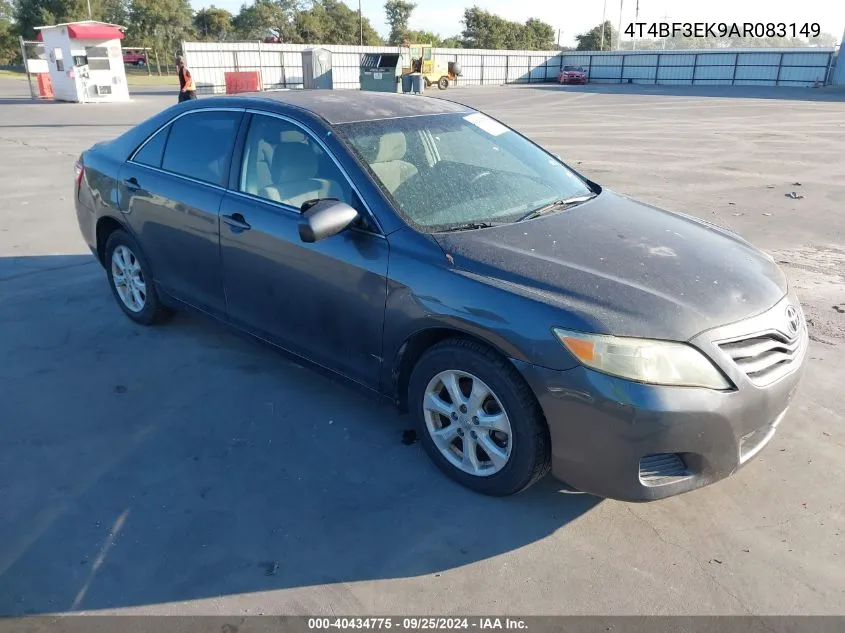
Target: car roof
[[349, 106]]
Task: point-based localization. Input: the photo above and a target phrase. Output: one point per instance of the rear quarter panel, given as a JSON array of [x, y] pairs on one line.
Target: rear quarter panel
[[98, 194]]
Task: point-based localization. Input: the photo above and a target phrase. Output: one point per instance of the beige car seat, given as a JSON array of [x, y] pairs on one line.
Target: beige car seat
[[294, 173], [388, 165]]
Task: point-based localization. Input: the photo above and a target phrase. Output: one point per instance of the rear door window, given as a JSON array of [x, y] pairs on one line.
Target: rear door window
[[153, 150], [200, 144]]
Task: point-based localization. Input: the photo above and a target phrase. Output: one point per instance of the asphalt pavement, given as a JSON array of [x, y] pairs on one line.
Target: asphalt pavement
[[182, 469]]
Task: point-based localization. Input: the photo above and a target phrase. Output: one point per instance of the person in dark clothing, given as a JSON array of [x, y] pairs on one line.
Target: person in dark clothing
[[187, 89]]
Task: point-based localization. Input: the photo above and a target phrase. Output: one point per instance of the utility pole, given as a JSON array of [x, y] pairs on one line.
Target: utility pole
[[89, 9], [665, 19], [636, 19], [603, 14], [619, 30], [558, 38], [360, 23]]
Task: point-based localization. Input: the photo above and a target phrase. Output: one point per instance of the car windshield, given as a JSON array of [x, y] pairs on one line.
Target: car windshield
[[575, 68], [451, 170]]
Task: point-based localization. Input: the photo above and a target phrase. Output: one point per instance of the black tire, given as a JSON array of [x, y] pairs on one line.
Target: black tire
[[153, 310], [443, 83], [530, 457]]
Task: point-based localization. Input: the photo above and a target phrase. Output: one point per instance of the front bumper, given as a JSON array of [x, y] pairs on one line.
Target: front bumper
[[610, 435]]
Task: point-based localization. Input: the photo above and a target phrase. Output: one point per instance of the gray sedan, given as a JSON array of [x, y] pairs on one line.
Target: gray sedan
[[527, 318]]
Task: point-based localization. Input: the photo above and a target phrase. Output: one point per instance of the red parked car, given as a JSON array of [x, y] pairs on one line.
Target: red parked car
[[572, 75], [135, 58]]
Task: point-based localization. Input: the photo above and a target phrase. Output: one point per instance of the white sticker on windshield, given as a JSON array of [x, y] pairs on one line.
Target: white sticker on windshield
[[493, 128]]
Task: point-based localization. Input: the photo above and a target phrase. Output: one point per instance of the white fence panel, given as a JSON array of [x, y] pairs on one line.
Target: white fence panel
[[758, 59], [806, 75], [640, 74], [671, 74], [675, 59], [760, 73], [703, 73], [518, 68], [281, 65]]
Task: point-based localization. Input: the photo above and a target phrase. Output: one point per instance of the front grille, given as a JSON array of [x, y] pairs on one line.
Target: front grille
[[662, 469], [765, 357]]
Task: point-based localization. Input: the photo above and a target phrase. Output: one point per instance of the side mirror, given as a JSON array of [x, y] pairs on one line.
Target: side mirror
[[324, 218]]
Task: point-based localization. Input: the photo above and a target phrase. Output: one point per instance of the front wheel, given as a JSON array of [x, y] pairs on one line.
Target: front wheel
[[443, 83], [477, 418]]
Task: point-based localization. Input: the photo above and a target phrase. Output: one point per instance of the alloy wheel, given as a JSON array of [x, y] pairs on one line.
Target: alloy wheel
[[467, 422], [128, 278]]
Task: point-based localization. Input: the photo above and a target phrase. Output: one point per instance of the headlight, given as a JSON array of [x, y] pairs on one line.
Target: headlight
[[644, 360]]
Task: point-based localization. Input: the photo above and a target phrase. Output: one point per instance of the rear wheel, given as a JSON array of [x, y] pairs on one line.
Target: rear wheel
[[478, 419], [131, 280], [443, 83]]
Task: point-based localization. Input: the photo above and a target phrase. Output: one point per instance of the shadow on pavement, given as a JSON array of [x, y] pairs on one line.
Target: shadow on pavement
[[149, 465], [784, 93]]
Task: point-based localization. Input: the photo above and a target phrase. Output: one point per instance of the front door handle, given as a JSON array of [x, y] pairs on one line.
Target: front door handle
[[132, 184], [236, 222]]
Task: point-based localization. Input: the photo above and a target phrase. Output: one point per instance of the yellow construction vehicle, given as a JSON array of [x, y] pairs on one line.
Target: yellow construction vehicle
[[421, 60]]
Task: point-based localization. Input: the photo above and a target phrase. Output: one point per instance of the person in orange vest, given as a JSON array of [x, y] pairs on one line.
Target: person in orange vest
[[187, 89]]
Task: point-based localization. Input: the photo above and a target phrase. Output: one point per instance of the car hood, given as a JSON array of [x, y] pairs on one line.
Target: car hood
[[621, 267]]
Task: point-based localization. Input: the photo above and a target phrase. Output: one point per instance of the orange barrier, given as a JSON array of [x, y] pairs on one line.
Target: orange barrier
[[45, 86], [244, 81]]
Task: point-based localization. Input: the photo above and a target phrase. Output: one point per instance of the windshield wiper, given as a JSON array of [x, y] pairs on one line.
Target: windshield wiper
[[468, 226], [557, 204]]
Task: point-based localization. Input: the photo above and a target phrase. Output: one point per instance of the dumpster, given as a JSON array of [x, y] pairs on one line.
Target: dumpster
[[381, 72]]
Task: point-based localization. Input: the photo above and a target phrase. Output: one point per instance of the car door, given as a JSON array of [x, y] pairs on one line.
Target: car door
[[171, 191], [324, 301]]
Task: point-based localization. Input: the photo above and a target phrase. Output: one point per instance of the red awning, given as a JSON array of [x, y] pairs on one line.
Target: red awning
[[94, 32], [90, 32]]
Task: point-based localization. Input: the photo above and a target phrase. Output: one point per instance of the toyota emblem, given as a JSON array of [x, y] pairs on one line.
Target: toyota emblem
[[793, 319]]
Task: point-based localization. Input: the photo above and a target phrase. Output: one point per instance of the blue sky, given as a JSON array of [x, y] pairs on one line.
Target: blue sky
[[577, 16]]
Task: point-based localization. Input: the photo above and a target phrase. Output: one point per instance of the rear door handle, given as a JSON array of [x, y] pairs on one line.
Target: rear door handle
[[132, 184], [236, 222]]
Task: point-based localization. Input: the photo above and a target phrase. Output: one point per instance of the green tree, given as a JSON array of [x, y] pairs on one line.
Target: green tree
[[160, 25], [333, 22], [398, 13], [453, 41], [424, 37], [483, 29], [825, 40], [254, 21], [9, 49], [113, 11], [592, 40], [212, 23], [31, 13], [538, 35]]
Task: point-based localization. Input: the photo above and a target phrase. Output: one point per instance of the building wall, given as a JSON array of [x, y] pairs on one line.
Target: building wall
[[68, 84], [281, 65], [115, 77], [64, 84]]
